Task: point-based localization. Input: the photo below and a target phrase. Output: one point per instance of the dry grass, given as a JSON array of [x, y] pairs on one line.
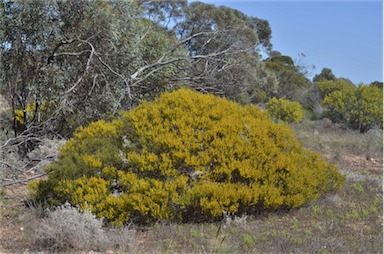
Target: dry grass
[[347, 221], [337, 144]]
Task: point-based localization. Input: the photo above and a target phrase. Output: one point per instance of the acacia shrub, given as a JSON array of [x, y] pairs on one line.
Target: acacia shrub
[[359, 108], [285, 110], [186, 156], [326, 87]]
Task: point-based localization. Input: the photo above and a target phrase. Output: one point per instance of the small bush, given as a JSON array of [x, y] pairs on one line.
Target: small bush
[[360, 108], [186, 156], [285, 110], [67, 229]]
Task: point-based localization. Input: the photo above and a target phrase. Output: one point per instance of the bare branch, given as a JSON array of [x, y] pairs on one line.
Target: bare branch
[[92, 53], [160, 62], [20, 139], [72, 53], [86, 67], [52, 56], [157, 65], [127, 87], [10, 165], [23, 181]]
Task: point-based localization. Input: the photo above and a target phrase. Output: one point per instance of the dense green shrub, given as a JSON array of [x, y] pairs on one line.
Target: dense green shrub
[[285, 110], [359, 108], [186, 156], [326, 87]]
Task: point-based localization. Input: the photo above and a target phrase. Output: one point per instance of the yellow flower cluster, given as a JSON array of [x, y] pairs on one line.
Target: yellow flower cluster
[[184, 154], [30, 109]]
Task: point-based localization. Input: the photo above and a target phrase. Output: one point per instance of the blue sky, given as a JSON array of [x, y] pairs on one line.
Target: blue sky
[[345, 36]]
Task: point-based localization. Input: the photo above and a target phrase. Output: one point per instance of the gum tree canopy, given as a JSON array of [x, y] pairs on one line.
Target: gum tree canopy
[[65, 64], [84, 60]]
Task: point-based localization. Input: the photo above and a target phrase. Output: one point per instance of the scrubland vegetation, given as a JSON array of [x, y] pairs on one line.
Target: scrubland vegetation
[[349, 220], [185, 157], [158, 127], [344, 220]]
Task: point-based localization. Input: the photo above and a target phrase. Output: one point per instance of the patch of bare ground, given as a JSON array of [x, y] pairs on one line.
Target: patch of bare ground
[[362, 163], [13, 229], [14, 225]]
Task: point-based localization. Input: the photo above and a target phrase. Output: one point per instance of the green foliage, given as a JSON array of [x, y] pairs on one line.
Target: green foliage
[[92, 58], [80, 56], [360, 108], [377, 84], [326, 87], [186, 156], [326, 74], [202, 17], [237, 72], [285, 110], [292, 84], [260, 84]]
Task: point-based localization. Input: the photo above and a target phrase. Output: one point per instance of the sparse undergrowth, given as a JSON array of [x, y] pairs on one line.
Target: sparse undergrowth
[[349, 149]]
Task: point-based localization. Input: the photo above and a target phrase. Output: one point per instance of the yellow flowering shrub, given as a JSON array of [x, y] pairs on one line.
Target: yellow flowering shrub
[[360, 107], [186, 156], [285, 110]]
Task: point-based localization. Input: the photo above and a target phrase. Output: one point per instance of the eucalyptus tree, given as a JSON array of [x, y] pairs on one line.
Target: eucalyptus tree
[[292, 84], [86, 60], [326, 74], [83, 58], [377, 84], [229, 41], [67, 63]]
